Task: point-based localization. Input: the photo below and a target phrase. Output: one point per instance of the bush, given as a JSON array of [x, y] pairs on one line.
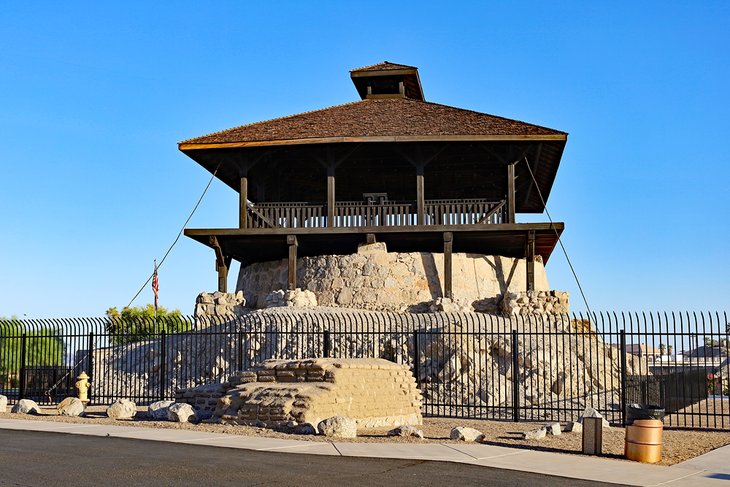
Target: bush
[[139, 323], [43, 347]]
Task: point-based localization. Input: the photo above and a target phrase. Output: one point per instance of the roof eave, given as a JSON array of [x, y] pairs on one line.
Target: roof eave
[[188, 146]]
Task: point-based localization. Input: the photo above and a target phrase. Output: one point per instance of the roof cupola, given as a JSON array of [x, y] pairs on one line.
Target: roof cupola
[[387, 80]]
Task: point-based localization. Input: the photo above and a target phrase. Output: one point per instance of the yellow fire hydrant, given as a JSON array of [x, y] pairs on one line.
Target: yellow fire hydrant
[[82, 385]]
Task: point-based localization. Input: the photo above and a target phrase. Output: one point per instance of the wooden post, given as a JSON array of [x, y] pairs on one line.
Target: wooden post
[[331, 195], [420, 197], [291, 240], [370, 238], [243, 203], [510, 193], [222, 263], [448, 241], [530, 258]]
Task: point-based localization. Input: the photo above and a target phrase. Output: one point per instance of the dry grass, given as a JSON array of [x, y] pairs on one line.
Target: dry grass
[[679, 445]]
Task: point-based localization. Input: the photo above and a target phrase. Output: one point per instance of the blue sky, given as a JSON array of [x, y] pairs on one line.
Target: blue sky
[[94, 98]]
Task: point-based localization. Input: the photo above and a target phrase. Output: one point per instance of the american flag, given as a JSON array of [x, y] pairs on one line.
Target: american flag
[[155, 285]]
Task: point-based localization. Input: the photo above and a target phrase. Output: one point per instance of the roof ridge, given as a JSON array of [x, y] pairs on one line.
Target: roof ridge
[[383, 63], [186, 141]]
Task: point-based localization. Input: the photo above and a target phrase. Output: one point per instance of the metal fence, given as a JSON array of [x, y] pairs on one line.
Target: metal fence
[[467, 365]]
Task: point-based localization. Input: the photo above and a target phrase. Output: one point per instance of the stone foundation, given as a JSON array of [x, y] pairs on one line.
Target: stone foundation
[[219, 304], [375, 279], [373, 392], [536, 302]]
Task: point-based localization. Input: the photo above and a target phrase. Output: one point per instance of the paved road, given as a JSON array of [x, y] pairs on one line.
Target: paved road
[[53, 459]]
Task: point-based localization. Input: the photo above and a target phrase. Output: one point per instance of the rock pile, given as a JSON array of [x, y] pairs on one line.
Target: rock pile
[[292, 298], [219, 304], [536, 303]]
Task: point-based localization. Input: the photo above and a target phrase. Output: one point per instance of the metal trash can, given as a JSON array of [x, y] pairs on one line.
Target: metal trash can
[[636, 412], [644, 441]]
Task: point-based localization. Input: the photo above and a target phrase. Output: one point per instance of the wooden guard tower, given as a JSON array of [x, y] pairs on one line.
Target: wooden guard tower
[[391, 167]]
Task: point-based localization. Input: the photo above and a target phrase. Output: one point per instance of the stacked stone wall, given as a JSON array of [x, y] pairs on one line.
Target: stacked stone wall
[[374, 279]]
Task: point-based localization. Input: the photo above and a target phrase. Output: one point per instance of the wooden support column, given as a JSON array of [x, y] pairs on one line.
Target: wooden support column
[[530, 258], [420, 197], [291, 241], [510, 193], [370, 238], [448, 241], [331, 195], [243, 203], [222, 264]]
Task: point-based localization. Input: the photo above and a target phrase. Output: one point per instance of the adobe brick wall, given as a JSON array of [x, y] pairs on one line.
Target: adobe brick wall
[[373, 392]]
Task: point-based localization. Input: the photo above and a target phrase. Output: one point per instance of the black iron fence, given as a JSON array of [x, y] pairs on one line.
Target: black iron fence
[[535, 368]]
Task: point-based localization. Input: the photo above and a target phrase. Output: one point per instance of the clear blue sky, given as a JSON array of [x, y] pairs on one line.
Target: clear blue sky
[[93, 100]]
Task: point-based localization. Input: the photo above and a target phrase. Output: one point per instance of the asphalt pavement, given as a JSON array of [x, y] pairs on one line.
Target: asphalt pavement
[[56, 459]]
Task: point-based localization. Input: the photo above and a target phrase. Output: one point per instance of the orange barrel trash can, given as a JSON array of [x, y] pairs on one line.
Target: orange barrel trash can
[[644, 441]]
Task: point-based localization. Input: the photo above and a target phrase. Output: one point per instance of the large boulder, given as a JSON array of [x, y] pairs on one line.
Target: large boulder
[[462, 433], [181, 413], [71, 406], [158, 410], [26, 406], [3, 404], [122, 409], [338, 427]]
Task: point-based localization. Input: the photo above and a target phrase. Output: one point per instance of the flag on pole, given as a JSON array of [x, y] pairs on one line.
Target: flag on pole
[[155, 286]]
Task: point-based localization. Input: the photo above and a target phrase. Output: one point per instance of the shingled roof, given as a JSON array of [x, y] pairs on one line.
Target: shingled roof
[[384, 66], [398, 118]]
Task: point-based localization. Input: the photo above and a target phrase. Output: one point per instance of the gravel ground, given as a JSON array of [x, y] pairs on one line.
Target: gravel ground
[[679, 445]]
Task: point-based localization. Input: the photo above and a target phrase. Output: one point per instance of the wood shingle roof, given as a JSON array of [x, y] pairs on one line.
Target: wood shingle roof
[[381, 119]]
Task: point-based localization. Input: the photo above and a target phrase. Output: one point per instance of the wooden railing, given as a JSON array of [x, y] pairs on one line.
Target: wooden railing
[[349, 214]]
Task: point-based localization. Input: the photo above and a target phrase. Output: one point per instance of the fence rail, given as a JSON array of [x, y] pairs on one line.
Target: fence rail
[[349, 214], [467, 365]]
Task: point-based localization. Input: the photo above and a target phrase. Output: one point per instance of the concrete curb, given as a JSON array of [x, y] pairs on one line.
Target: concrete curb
[[708, 469]]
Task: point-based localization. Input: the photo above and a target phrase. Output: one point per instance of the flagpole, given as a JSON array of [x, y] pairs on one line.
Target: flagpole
[[154, 287]]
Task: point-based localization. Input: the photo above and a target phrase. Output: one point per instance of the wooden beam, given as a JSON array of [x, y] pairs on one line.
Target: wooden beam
[[243, 203], [534, 167], [420, 196], [291, 241], [370, 238], [448, 272], [530, 258], [331, 195], [222, 264], [510, 193]]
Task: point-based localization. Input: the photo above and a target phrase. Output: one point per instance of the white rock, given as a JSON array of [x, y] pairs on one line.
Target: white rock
[[122, 409], [590, 412], [3, 404], [553, 429], [573, 427], [466, 434], [406, 431], [26, 406], [338, 427], [71, 406], [181, 412], [537, 434], [158, 410]]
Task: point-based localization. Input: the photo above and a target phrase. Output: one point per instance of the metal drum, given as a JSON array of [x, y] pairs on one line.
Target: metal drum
[[644, 441]]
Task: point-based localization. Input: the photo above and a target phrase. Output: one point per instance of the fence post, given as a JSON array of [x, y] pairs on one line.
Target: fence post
[[416, 367], [326, 344], [623, 377], [163, 369], [22, 385], [90, 363], [515, 377], [240, 350]]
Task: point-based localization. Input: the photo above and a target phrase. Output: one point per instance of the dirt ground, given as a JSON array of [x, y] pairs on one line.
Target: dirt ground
[[679, 445]]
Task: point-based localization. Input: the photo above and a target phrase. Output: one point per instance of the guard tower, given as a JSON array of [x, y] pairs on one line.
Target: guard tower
[[391, 167]]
